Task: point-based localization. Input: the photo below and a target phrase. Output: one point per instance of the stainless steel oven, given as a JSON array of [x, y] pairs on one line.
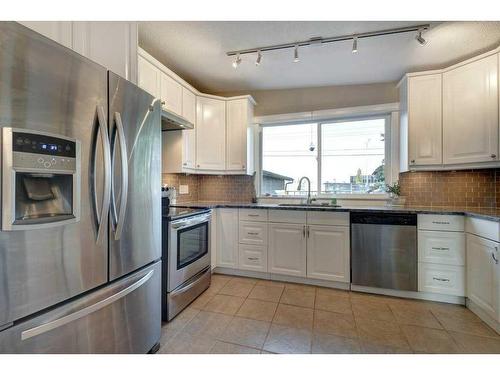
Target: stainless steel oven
[[188, 262]]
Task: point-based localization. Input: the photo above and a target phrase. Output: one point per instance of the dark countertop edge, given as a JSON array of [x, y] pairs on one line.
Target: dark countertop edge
[[375, 209]]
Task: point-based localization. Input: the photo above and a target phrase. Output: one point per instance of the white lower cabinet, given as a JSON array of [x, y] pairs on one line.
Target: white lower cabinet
[[328, 253], [253, 257], [483, 278], [287, 249], [227, 238]]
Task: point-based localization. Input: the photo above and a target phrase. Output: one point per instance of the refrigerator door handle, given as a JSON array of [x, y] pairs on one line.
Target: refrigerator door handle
[[124, 176], [32, 332], [103, 131]]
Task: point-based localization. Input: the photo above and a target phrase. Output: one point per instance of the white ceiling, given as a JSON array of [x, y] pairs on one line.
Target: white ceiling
[[197, 52]]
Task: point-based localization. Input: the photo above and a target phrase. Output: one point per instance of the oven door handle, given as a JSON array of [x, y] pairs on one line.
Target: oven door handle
[[190, 222]]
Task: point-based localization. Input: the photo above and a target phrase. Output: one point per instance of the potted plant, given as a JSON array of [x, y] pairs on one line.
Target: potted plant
[[394, 191]]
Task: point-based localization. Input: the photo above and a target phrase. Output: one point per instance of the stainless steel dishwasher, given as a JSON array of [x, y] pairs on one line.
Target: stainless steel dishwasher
[[384, 250]]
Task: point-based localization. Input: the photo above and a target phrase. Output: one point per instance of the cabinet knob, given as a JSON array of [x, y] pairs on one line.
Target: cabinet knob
[[413, 161], [184, 163], [243, 166], [197, 166], [493, 156], [163, 102]]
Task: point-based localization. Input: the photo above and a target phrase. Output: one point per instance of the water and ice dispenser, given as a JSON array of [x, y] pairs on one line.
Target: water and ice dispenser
[[40, 179]]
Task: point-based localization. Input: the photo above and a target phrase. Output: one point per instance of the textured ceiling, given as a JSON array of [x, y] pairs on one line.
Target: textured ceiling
[[197, 52]]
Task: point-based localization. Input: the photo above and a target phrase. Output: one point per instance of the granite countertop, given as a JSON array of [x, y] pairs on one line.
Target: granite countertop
[[491, 214]]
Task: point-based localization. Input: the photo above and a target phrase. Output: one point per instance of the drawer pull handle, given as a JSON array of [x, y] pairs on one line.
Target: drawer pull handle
[[441, 248], [441, 279], [253, 233], [253, 258], [441, 222], [253, 215], [494, 258]]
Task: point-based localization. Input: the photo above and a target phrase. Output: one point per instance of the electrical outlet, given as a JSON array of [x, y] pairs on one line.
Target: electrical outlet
[[183, 189]]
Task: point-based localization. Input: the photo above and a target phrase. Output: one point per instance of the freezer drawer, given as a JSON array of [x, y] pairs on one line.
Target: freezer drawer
[[124, 317]]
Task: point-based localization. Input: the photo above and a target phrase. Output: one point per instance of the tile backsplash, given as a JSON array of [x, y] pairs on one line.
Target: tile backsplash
[[212, 188], [469, 188]]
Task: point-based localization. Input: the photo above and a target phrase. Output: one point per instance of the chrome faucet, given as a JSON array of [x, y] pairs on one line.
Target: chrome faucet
[[309, 200]]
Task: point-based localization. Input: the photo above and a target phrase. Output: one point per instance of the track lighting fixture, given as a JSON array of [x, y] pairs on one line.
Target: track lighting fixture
[[259, 58], [420, 38], [355, 44], [419, 29], [237, 61]]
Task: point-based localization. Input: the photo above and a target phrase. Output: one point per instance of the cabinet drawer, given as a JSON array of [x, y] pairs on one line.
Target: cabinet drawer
[[287, 216], [253, 258], [441, 247], [453, 223], [328, 218], [253, 233], [253, 214], [440, 278], [483, 228]]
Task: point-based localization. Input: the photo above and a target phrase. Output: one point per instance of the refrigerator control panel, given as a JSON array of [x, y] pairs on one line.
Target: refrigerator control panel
[[43, 144]]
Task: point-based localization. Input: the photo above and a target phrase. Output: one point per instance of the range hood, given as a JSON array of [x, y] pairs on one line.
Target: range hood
[[172, 121]]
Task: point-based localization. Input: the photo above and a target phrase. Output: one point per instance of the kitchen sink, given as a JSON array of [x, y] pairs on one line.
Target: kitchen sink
[[309, 205]]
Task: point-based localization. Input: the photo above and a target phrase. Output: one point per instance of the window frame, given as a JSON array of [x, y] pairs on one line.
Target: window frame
[[390, 158]]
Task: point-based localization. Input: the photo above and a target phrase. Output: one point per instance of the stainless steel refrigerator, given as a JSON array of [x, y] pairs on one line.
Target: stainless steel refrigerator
[[80, 240]]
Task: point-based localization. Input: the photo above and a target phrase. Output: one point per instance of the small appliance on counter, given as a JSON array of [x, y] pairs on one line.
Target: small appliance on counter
[[170, 193], [186, 270]]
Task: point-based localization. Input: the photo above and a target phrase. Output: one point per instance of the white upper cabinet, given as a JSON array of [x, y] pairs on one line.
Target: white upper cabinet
[[424, 120], [170, 94], [111, 44], [210, 134], [470, 112], [328, 253], [149, 77], [239, 145], [59, 31]]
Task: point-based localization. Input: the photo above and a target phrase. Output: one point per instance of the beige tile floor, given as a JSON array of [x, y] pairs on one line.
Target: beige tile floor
[[250, 316]]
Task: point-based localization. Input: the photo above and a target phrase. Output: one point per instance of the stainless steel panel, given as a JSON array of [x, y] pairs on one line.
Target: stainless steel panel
[[177, 275], [135, 227], [384, 256], [46, 87], [181, 297], [123, 317]]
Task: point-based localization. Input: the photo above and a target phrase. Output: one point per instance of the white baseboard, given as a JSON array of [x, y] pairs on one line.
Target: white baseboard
[[483, 316], [408, 294], [290, 279]]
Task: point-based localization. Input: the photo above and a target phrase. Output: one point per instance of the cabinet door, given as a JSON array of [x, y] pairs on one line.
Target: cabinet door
[[189, 136], [482, 282], [59, 31], [236, 128], [210, 134], [149, 77], [170, 94], [111, 44], [328, 253], [227, 237], [188, 105], [470, 112], [424, 120], [287, 249]]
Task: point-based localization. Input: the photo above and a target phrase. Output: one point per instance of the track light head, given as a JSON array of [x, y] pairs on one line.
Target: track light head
[[259, 58], [237, 61], [355, 44], [420, 39], [296, 54]]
